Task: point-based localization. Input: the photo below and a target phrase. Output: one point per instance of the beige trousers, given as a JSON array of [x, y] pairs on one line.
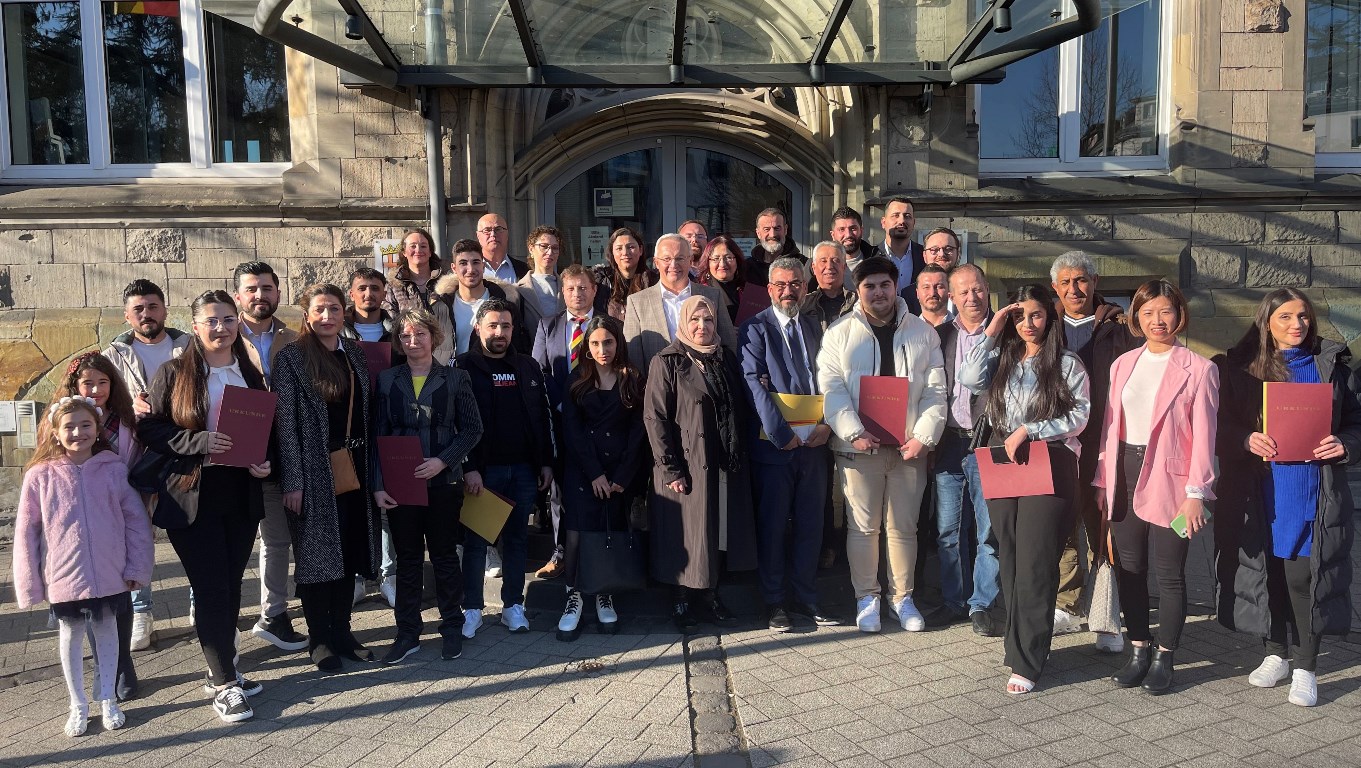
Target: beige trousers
[[883, 494]]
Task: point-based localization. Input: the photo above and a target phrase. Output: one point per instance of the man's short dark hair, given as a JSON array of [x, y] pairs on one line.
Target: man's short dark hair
[[945, 231], [931, 269], [467, 245], [367, 273], [899, 199], [143, 287], [874, 265], [256, 268], [846, 212], [493, 304]]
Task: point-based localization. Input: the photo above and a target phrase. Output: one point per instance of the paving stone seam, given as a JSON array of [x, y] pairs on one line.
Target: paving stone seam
[[715, 729]]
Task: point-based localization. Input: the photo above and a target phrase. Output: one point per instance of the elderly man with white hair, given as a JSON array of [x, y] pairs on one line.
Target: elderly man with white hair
[[652, 314]]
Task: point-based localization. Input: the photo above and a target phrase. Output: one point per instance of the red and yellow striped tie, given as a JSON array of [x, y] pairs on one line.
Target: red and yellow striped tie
[[574, 348]]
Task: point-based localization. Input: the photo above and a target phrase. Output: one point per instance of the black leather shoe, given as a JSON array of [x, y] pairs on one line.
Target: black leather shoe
[[717, 612], [684, 618], [777, 619], [813, 613], [1136, 668], [982, 624], [1159, 678], [402, 647]]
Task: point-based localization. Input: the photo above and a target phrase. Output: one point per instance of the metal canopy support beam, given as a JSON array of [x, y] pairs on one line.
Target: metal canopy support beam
[[696, 75], [966, 68], [824, 46], [268, 24], [372, 36], [434, 165], [678, 45], [533, 54]]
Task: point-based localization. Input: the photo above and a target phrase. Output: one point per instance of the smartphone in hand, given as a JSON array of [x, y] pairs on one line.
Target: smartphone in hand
[[1179, 523]]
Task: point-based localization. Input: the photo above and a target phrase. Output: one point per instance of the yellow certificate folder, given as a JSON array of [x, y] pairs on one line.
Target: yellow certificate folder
[[486, 514], [801, 412]]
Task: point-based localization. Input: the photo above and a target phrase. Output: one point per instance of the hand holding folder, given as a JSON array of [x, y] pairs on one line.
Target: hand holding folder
[[486, 513], [247, 417], [801, 412], [1297, 416], [1029, 475]]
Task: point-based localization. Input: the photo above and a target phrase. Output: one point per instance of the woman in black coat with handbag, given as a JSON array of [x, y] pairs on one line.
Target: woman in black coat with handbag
[[210, 512], [602, 416], [322, 423], [1283, 531]]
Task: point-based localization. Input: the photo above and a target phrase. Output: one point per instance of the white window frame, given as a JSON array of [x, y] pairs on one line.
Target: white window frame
[[1070, 161], [101, 166]]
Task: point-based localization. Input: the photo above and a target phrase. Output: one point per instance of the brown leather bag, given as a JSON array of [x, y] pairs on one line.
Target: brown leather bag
[[343, 477]]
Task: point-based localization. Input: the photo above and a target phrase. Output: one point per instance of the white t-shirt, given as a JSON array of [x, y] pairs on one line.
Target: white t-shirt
[[464, 313], [1139, 395], [153, 356]]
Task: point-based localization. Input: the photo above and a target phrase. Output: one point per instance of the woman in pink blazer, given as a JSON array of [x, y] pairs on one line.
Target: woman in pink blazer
[[1156, 464]]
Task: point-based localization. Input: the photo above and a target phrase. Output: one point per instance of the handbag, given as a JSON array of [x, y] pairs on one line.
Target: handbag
[[1103, 613], [343, 477], [173, 483], [610, 561]]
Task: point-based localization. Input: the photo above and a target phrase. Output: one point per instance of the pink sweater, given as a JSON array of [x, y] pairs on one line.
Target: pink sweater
[[81, 532]]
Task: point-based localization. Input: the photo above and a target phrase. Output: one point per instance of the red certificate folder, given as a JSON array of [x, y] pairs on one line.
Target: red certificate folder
[[754, 299], [1012, 481], [379, 356], [1297, 417], [398, 457], [246, 416], [883, 408]]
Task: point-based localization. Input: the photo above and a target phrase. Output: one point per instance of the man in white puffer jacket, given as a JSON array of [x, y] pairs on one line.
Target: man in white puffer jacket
[[883, 484]]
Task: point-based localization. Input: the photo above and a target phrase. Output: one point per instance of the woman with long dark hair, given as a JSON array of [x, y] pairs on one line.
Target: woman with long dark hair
[[726, 268], [1284, 529], [215, 545], [602, 418], [1156, 464], [1032, 390], [323, 430], [624, 273]]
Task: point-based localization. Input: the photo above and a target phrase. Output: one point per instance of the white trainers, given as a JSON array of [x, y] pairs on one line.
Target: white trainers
[[867, 613], [513, 616], [1066, 623], [493, 563], [1303, 688], [571, 614], [1109, 642], [1272, 670], [472, 621], [908, 616], [360, 589], [112, 716], [142, 626], [231, 706], [78, 721], [388, 589], [604, 609]]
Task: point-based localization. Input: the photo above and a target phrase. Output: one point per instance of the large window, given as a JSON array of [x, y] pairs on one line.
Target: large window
[[99, 89], [1092, 104], [1333, 80]]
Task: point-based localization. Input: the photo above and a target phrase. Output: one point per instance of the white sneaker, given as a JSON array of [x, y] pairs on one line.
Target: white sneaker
[[191, 611], [1272, 670], [604, 609], [493, 563], [472, 621], [1303, 688], [908, 615], [112, 716], [231, 706], [78, 721], [142, 626], [388, 589], [571, 614], [360, 589], [513, 616], [1108, 642], [867, 613], [1066, 623]]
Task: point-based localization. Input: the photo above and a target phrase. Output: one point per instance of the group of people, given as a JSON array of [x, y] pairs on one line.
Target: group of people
[[561, 388]]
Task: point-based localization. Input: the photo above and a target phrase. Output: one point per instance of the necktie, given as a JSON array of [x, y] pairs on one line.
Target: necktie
[[799, 364], [574, 348]]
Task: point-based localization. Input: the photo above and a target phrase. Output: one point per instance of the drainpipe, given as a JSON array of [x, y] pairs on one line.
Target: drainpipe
[[434, 160]]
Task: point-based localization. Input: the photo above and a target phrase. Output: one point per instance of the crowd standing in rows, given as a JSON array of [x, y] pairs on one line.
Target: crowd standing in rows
[[564, 386]]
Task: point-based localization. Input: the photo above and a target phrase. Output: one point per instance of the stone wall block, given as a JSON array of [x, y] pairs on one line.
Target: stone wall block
[[1339, 276], [1301, 227], [220, 237], [277, 245], [1251, 50], [1153, 226], [336, 271], [21, 364], [1217, 266], [6, 293], [83, 246], [993, 229], [357, 242], [1250, 78], [104, 283], [60, 333], [1073, 227], [361, 178], [16, 324], [1349, 227], [151, 246], [374, 123], [401, 145], [26, 246], [218, 263], [1276, 266], [1249, 107], [1334, 256], [1216, 228], [181, 292], [404, 178], [42, 286]]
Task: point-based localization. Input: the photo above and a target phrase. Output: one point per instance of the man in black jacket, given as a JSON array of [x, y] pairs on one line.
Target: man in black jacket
[[848, 230], [514, 459], [365, 318], [772, 230]]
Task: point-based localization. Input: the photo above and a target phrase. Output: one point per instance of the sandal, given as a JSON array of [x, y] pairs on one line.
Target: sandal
[[1017, 685]]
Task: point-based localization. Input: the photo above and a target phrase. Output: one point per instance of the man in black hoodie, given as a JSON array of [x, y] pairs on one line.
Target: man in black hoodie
[[772, 229]]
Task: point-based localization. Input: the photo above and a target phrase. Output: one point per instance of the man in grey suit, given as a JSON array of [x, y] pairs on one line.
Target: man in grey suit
[[651, 314]]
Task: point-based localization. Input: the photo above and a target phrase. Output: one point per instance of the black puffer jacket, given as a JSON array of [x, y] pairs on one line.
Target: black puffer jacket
[[1242, 533]]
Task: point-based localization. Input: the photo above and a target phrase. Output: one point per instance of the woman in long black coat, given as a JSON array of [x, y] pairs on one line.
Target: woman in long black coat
[[1284, 557], [602, 422], [701, 501]]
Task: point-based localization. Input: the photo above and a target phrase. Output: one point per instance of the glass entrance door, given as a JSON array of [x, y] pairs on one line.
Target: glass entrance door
[[652, 185]]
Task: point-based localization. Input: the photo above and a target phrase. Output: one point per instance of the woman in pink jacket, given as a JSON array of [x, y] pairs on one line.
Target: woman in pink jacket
[[82, 541], [1156, 465]]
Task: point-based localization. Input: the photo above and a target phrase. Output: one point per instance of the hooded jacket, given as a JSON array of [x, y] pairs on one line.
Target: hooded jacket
[[129, 365]]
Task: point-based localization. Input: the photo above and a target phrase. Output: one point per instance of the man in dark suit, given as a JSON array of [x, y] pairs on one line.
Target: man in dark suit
[[898, 221], [790, 464], [558, 344]]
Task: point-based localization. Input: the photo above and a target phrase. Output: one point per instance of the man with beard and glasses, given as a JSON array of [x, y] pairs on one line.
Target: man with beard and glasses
[[365, 319], [789, 462], [772, 232], [848, 230], [697, 236], [138, 354], [907, 256], [933, 295], [257, 294], [941, 248]]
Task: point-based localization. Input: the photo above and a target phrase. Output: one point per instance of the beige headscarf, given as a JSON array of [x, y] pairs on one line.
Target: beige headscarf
[[687, 310]]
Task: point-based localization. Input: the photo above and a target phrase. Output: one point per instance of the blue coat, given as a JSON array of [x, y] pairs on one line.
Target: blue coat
[[766, 368]]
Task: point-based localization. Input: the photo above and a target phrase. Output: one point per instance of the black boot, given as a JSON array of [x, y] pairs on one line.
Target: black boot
[[1159, 677], [1134, 670], [343, 641], [316, 612]]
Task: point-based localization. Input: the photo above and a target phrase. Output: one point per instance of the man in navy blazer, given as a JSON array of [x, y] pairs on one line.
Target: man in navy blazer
[[779, 348], [553, 353]]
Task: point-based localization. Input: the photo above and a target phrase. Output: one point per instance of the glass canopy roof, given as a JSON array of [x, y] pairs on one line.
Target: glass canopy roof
[[684, 43]]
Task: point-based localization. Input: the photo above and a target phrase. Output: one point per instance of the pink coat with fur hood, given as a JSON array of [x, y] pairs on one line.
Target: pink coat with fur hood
[[81, 532]]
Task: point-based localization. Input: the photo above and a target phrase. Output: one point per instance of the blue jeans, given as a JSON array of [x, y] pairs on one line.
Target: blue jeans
[[956, 475], [519, 483], [141, 600]]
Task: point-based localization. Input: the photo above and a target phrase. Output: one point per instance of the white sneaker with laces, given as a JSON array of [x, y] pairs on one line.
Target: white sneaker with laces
[[1066, 623], [571, 613], [231, 706], [908, 616], [493, 563], [1272, 670], [388, 589], [604, 609], [472, 621], [360, 589], [867, 613], [1109, 642], [1303, 688], [142, 626], [112, 716], [513, 616]]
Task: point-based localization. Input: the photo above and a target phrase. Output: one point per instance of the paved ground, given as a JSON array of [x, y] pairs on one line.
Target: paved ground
[[812, 698]]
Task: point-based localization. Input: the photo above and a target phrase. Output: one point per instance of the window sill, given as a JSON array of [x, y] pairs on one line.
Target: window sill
[[243, 173]]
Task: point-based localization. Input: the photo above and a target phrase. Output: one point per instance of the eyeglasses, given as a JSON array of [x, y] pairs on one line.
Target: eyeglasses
[[214, 323], [407, 337], [948, 250], [722, 259], [792, 285], [548, 246], [489, 231], [669, 262]]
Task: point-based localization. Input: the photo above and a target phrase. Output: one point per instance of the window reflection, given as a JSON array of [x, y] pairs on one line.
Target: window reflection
[[1119, 105], [1333, 74], [46, 84], [249, 95], [144, 54], [726, 193], [1022, 114], [624, 191]]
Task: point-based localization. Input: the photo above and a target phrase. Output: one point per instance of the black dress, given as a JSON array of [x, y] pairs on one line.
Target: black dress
[[350, 506], [602, 437]]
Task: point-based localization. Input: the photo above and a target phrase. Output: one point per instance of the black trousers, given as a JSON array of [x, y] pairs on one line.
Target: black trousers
[[1131, 536], [214, 552], [1030, 534], [1289, 586], [415, 530]]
